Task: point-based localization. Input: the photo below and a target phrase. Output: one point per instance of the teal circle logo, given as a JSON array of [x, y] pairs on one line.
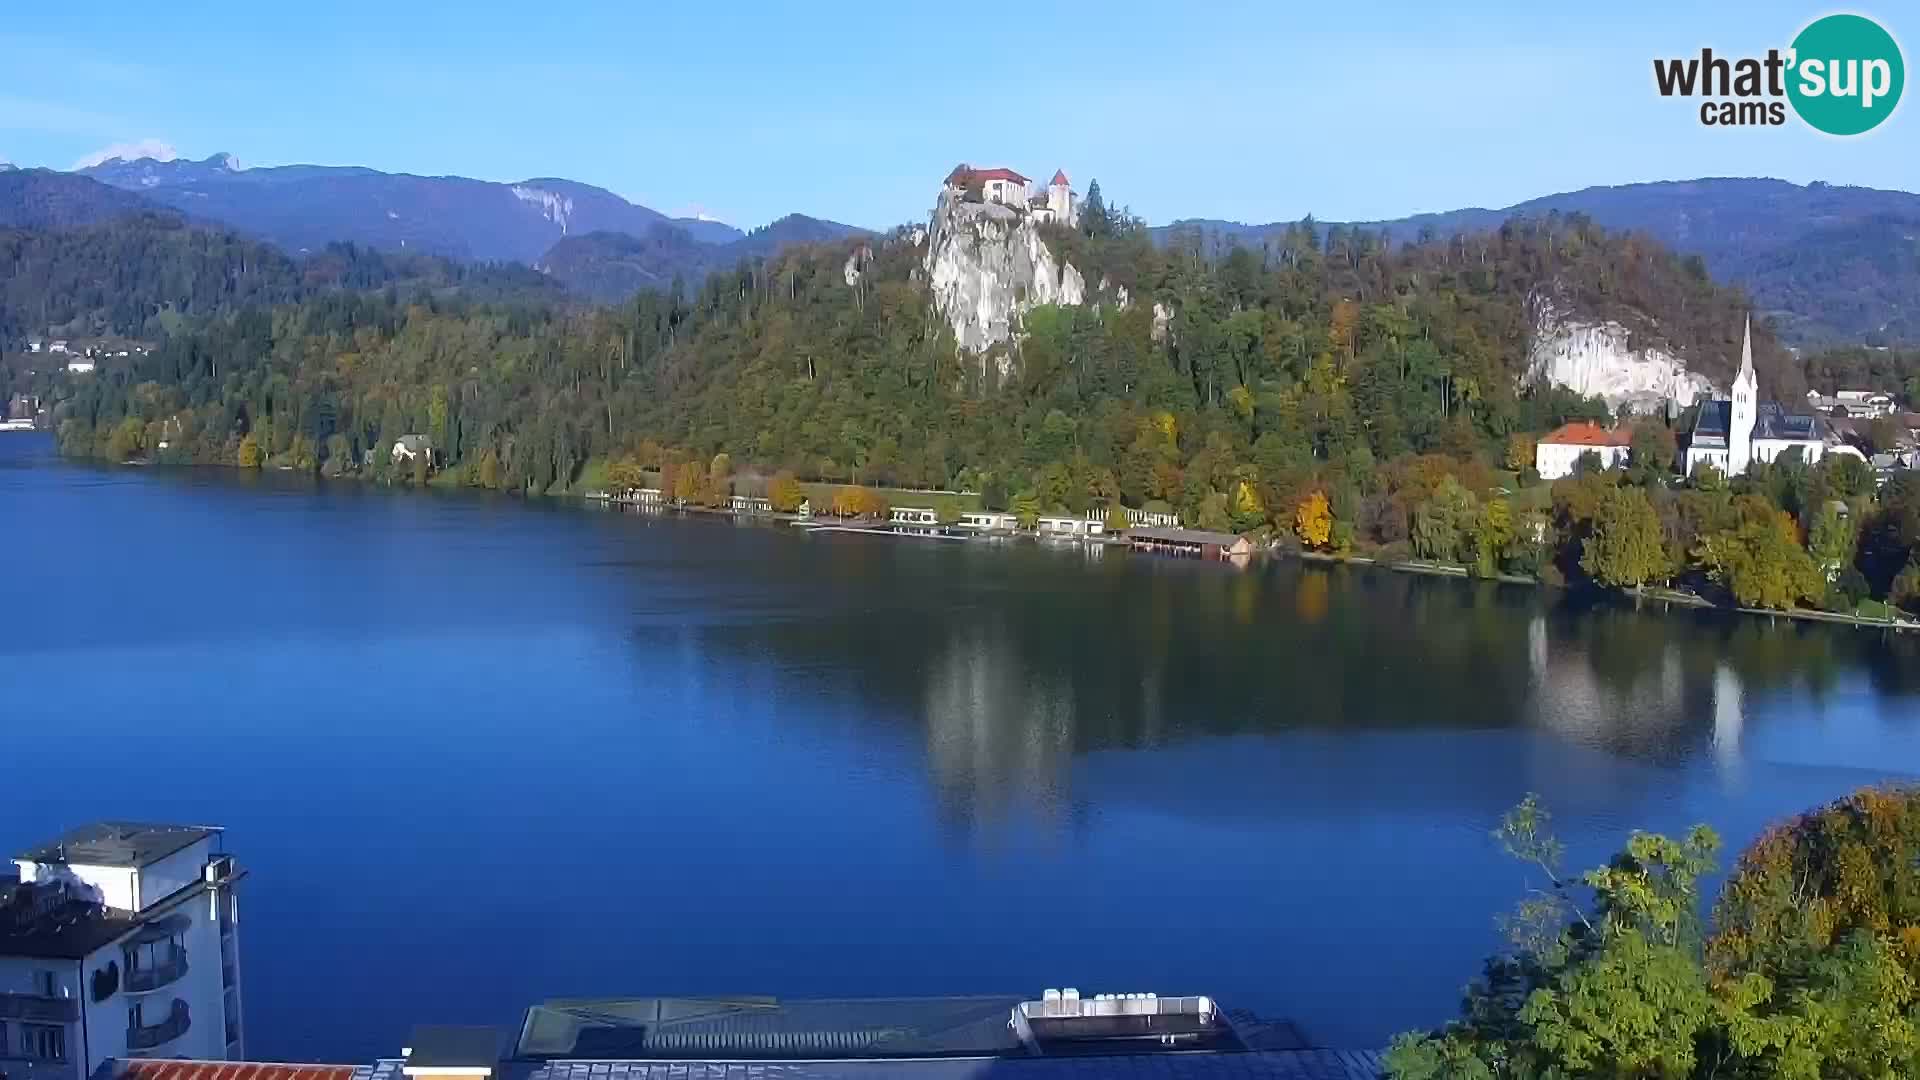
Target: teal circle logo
[[1847, 74]]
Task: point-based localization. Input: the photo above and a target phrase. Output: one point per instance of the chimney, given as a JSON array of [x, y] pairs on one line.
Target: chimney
[[467, 1053]]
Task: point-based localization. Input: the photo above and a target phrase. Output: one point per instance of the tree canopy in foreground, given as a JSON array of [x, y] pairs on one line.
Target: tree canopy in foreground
[[1808, 969]]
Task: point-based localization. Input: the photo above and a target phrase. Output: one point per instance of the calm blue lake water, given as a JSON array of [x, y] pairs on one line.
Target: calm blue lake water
[[478, 752]]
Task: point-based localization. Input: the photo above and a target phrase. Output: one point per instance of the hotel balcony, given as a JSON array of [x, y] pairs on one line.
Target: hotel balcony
[[159, 1034], [163, 968], [38, 1008]]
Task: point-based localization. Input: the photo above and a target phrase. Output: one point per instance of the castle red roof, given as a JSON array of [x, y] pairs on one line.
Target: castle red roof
[[1060, 178], [983, 175]]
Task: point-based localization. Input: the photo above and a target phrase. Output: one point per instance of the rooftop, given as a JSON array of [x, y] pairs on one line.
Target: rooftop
[[434, 1048], [118, 843], [1775, 422], [960, 172], [230, 1070], [750, 1026], [47, 923], [801, 1037], [1587, 433], [1185, 536], [1196, 1065]]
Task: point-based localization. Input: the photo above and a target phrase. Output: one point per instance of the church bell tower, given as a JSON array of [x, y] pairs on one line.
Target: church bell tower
[[1744, 409]]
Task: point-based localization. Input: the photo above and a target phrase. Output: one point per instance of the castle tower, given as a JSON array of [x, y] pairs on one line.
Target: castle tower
[[1744, 408], [1060, 197]]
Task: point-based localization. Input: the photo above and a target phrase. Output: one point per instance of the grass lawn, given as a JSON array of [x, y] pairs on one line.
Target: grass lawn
[[1874, 609], [821, 496]]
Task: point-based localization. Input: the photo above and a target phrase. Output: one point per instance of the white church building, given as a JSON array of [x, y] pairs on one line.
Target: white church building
[[1732, 433]]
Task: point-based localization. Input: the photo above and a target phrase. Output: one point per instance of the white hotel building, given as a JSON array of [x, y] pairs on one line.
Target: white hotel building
[[118, 941]]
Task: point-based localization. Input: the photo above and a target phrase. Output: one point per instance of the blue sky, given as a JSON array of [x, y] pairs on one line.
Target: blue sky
[[1256, 112]]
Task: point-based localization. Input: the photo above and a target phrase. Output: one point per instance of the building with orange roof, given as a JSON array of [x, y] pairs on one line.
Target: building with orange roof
[[1559, 452]]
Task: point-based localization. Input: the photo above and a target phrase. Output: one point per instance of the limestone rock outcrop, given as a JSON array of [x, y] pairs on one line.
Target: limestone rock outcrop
[[987, 265], [1598, 359]]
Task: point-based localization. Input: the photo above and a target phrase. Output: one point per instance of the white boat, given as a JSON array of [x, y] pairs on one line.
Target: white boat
[[16, 425]]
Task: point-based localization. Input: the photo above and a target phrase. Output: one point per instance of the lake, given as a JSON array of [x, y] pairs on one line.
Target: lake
[[478, 751]]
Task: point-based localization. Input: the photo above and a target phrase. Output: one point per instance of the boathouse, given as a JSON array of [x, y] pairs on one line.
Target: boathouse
[[1192, 543], [988, 520]]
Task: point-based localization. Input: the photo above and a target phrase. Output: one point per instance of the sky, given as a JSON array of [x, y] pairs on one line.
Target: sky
[[855, 111]]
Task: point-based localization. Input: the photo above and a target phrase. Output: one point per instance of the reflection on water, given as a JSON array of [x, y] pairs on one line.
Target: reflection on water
[[653, 755]]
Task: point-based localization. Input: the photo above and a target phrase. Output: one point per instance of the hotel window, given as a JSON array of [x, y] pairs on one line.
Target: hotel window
[[46, 984], [43, 1042]]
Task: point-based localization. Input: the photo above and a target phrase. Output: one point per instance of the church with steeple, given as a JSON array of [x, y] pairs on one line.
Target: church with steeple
[[1733, 432]]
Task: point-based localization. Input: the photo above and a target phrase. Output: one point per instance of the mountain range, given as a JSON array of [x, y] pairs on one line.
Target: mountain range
[[306, 207], [1826, 262]]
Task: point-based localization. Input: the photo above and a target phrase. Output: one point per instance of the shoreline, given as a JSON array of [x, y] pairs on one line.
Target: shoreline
[[1667, 597]]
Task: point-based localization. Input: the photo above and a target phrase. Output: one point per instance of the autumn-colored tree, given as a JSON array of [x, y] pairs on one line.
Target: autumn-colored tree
[[249, 455], [1493, 534], [1117, 520], [1520, 452], [125, 441], [784, 492], [624, 477], [1761, 562], [685, 482], [489, 470], [1313, 520], [1817, 933], [855, 501], [1626, 548]]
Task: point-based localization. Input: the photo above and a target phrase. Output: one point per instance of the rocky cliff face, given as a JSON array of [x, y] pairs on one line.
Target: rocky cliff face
[[1597, 359], [987, 266]]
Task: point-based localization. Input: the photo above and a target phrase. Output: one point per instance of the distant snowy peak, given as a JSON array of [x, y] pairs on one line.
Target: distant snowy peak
[[553, 206], [153, 172]]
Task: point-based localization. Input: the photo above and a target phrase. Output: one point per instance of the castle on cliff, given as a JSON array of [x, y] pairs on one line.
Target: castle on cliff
[[1058, 202]]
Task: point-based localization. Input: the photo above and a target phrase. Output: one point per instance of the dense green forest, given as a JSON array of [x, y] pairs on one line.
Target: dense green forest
[[1383, 381], [148, 274]]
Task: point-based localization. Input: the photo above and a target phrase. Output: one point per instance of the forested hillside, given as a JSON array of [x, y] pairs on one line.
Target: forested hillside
[[43, 199], [612, 266], [1337, 353], [143, 275], [1828, 263], [1351, 394]]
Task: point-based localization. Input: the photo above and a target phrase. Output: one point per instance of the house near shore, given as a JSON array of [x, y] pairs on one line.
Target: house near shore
[[1558, 453], [408, 447]]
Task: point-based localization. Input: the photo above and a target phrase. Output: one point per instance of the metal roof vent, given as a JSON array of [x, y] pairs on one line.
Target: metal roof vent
[[1063, 1016]]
